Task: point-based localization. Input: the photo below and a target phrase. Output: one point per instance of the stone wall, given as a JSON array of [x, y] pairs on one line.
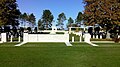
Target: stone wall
[[45, 37]]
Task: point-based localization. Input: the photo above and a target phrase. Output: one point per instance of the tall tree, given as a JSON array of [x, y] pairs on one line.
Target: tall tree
[[32, 19], [27, 18], [47, 18], [23, 18], [79, 19], [9, 13], [40, 24], [70, 22], [61, 18], [106, 13]]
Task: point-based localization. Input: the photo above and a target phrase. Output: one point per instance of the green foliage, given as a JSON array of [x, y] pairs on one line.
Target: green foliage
[[101, 39], [116, 40], [32, 19], [9, 13], [70, 22], [27, 18], [59, 32], [61, 18], [79, 18], [15, 39], [76, 37], [23, 18], [40, 24], [106, 13], [47, 18]]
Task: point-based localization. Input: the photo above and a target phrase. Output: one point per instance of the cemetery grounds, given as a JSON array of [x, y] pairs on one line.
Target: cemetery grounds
[[59, 55]]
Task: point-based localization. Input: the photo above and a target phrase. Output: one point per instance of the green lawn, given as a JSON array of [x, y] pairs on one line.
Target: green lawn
[[59, 55]]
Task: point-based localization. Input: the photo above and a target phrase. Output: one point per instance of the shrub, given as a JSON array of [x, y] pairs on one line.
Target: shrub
[[101, 39], [59, 32], [116, 40]]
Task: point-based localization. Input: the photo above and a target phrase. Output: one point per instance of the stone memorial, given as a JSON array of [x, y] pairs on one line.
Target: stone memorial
[[87, 37], [3, 37], [54, 30]]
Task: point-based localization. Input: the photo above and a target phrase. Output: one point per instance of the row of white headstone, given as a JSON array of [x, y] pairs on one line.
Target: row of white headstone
[[86, 38], [97, 37], [4, 38], [11, 38]]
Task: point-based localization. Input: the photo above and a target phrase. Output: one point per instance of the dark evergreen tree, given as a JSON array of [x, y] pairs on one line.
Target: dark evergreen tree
[[70, 22], [61, 18], [79, 19], [9, 13], [47, 18]]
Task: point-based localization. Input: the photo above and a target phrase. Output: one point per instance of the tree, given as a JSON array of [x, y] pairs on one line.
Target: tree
[[9, 13], [40, 24], [79, 18], [29, 29], [106, 13], [61, 18], [32, 19], [70, 22], [23, 18], [47, 18], [26, 18]]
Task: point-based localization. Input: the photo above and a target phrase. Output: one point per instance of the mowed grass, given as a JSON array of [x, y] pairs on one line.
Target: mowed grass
[[59, 55]]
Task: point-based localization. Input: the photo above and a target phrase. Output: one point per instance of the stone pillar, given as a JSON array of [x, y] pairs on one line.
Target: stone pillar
[[11, 38], [93, 36], [3, 37], [108, 35], [97, 36], [100, 36], [54, 30], [19, 39], [118, 36], [67, 37], [69, 30], [87, 37], [72, 39], [80, 38], [25, 37], [80, 34]]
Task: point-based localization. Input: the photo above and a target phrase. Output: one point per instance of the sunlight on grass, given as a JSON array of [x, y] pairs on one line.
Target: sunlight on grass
[[59, 55]]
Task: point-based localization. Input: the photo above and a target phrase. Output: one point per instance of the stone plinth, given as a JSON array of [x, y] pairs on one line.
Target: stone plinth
[[3, 37], [87, 37]]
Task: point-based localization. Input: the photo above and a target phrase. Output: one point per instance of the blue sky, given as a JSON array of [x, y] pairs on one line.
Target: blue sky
[[69, 7]]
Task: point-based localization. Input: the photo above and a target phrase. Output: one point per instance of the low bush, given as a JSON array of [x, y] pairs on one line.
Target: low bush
[[101, 39], [76, 37], [59, 32], [116, 40], [14, 39], [40, 33]]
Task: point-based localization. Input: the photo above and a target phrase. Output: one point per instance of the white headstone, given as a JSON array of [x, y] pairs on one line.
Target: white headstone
[[96, 36], [93, 36], [108, 35], [19, 39], [100, 36], [3, 38], [54, 30], [80, 34], [11, 38], [25, 37], [87, 37], [118, 36], [72, 39]]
